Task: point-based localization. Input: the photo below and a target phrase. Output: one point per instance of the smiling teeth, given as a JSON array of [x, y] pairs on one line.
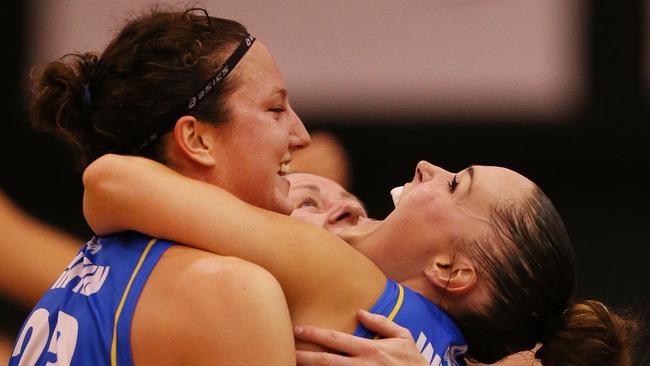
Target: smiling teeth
[[396, 193], [284, 169]]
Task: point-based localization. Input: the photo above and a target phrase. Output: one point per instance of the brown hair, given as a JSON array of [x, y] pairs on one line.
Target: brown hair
[[589, 333], [531, 282], [140, 84]]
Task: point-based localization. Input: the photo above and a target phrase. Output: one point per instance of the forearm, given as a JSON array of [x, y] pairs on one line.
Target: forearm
[[34, 254], [311, 265]]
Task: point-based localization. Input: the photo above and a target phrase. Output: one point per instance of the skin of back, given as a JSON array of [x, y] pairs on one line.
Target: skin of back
[[198, 308]]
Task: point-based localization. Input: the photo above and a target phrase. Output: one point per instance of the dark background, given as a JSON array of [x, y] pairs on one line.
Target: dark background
[[593, 165]]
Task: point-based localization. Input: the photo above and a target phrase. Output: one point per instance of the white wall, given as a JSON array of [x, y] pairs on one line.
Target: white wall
[[480, 59]]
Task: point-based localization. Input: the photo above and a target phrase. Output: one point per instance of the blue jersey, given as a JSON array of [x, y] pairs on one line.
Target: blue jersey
[[85, 317], [437, 337]]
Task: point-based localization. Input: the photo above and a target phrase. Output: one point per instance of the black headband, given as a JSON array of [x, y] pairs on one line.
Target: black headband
[[220, 75], [228, 66]]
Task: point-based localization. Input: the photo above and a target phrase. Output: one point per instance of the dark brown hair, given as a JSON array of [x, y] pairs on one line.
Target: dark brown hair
[[140, 84], [530, 273]]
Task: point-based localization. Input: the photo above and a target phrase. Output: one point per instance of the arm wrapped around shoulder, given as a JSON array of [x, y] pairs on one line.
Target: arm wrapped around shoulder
[[590, 333]]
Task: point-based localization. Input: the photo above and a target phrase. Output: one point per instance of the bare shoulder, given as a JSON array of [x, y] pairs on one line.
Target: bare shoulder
[[202, 308]]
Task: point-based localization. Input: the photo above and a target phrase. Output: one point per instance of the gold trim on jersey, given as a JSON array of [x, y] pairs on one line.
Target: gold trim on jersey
[[123, 300], [398, 304]]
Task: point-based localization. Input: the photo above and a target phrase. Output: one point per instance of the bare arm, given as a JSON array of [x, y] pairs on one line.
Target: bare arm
[[33, 254], [323, 278]]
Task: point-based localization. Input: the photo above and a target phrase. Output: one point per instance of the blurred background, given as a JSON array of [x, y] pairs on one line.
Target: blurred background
[[558, 90]]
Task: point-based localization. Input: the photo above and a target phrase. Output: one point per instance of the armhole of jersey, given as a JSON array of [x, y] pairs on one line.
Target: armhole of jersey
[[121, 341], [388, 305]]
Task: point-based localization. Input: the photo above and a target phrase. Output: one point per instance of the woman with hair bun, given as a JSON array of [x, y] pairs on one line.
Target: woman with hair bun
[[201, 95]]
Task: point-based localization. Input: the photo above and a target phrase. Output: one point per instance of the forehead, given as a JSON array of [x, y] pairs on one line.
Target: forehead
[[323, 187], [501, 182], [491, 187], [313, 182], [258, 68]]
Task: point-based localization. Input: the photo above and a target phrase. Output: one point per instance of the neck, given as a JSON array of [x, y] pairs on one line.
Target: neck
[[421, 285]]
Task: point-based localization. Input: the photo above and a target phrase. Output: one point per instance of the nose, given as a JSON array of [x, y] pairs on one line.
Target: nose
[[298, 135], [425, 171], [348, 212]]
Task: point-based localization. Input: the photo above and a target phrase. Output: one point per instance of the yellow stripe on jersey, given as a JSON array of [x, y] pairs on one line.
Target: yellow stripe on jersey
[[398, 304], [124, 295]]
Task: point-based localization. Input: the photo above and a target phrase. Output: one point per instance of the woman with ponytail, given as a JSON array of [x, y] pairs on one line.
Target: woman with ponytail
[[585, 333], [485, 245]]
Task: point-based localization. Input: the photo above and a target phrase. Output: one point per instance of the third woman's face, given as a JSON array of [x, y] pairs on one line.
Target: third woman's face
[[255, 146], [324, 203], [439, 211]]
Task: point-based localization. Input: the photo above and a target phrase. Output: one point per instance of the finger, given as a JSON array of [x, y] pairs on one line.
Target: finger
[[311, 358], [382, 326], [332, 339]]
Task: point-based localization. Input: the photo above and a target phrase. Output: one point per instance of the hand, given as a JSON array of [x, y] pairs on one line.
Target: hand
[[398, 348]]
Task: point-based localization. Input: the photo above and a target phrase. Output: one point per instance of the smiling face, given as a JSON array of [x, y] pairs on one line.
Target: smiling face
[[324, 203], [438, 212], [255, 145]]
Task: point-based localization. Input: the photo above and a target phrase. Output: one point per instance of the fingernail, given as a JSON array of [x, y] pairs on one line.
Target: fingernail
[[298, 330]]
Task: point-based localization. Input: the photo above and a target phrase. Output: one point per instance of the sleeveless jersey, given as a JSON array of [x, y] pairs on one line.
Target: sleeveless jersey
[[85, 317], [437, 337]]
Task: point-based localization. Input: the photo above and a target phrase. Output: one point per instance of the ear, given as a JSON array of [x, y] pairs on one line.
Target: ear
[[195, 140], [455, 274]]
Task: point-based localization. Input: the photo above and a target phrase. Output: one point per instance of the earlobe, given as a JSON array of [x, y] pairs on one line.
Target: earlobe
[[194, 140], [455, 275]]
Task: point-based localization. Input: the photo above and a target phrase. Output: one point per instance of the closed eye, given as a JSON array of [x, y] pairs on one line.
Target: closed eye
[[453, 183]]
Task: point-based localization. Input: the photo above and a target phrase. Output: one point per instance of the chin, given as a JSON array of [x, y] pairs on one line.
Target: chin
[[355, 234]]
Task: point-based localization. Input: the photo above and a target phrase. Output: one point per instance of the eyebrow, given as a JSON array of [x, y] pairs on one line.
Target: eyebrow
[[316, 188], [282, 91], [345, 194], [309, 186]]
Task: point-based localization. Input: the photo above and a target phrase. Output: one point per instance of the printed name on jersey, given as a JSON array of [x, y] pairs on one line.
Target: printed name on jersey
[[93, 245], [433, 358], [91, 277]]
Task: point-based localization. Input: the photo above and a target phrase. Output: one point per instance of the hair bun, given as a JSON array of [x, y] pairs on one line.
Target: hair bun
[[62, 97], [590, 333]]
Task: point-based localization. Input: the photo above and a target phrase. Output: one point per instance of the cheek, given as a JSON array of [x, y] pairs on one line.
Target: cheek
[[261, 149], [268, 144], [259, 129], [424, 205]]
